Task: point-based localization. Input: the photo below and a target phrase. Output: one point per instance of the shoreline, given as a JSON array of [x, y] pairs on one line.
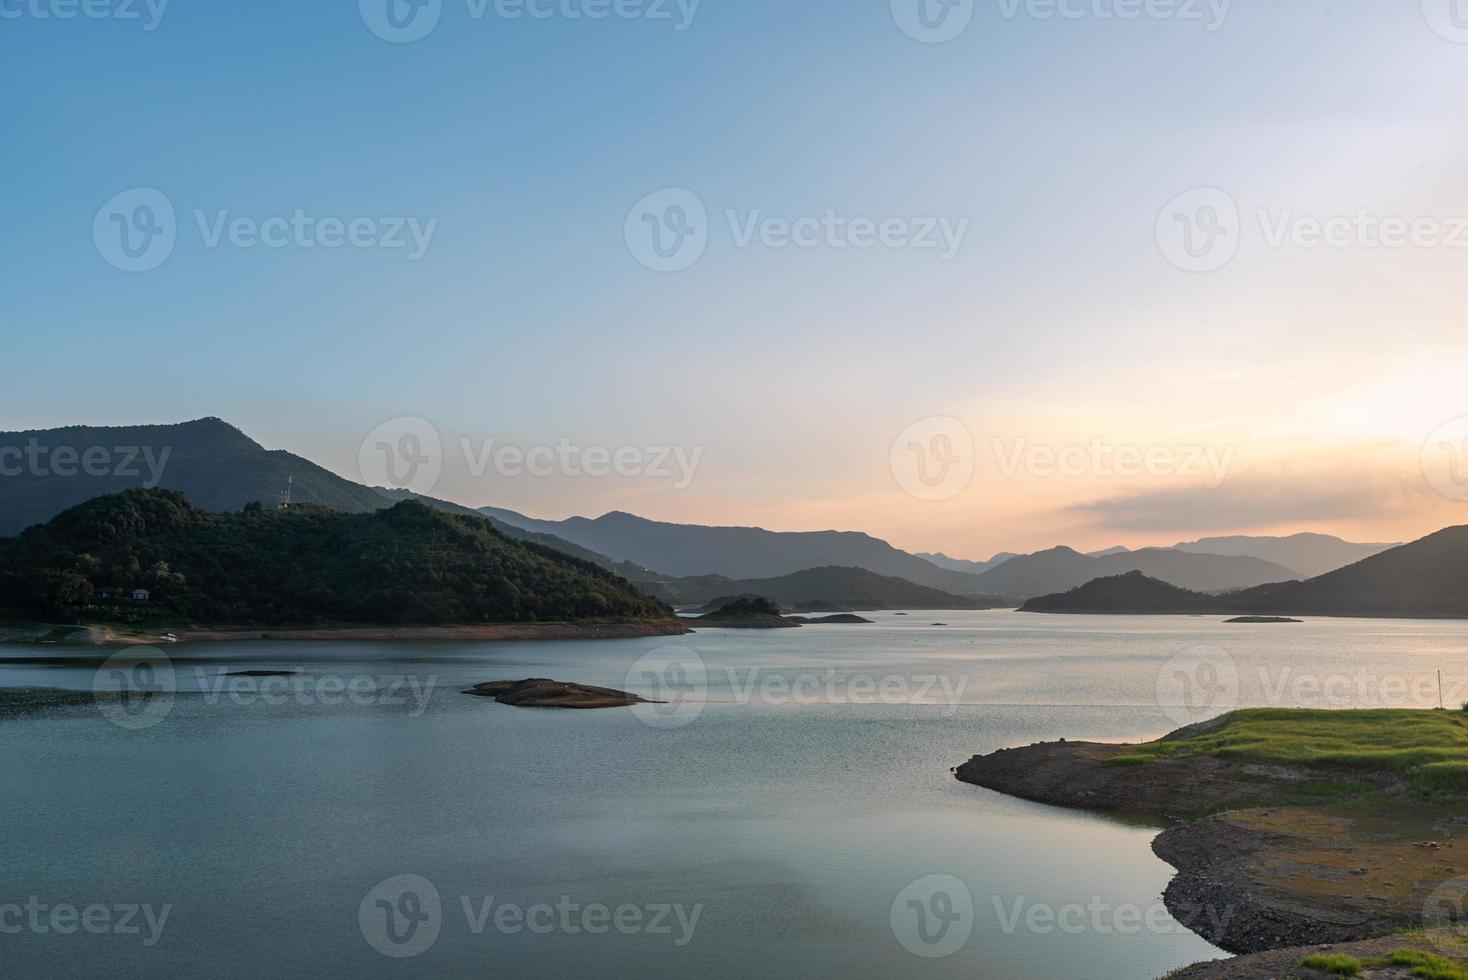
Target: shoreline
[[1279, 855], [108, 635]]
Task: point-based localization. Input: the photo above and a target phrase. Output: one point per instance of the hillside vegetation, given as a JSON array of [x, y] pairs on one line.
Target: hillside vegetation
[[211, 462], [409, 564]]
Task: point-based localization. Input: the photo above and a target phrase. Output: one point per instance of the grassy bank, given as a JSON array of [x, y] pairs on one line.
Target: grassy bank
[[1429, 749], [1308, 827]]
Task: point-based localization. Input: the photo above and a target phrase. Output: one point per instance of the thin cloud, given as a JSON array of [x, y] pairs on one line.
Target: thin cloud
[[1261, 500]]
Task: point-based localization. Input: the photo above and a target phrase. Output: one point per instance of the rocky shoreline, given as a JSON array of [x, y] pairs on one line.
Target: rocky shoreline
[[1267, 856]]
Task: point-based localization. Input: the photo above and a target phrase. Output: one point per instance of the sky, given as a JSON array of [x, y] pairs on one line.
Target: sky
[[971, 277]]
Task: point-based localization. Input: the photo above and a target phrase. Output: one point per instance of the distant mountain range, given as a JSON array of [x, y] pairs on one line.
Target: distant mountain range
[[220, 469], [687, 550], [817, 590], [1308, 555], [971, 567], [691, 551], [1060, 569], [1302, 555], [1427, 578]]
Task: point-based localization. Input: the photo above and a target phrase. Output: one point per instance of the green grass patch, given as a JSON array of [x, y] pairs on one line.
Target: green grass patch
[[1427, 965], [1140, 755], [1441, 777], [1432, 743], [1336, 964]]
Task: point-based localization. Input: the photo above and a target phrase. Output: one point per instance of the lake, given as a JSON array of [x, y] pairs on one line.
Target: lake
[[790, 812]]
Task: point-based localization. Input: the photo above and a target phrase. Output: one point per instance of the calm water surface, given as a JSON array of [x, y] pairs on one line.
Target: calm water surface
[[796, 826]]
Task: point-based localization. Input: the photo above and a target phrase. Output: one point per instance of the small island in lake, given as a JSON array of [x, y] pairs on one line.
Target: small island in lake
[[539, 692], [749, 613], [838, 619], [1296, 828], [1263, 619]]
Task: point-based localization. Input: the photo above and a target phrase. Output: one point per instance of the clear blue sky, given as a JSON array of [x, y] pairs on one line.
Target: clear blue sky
[[529, 320]]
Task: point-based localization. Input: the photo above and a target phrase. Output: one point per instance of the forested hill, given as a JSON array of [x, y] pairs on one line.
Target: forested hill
[[216, 465], [406, 565]]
